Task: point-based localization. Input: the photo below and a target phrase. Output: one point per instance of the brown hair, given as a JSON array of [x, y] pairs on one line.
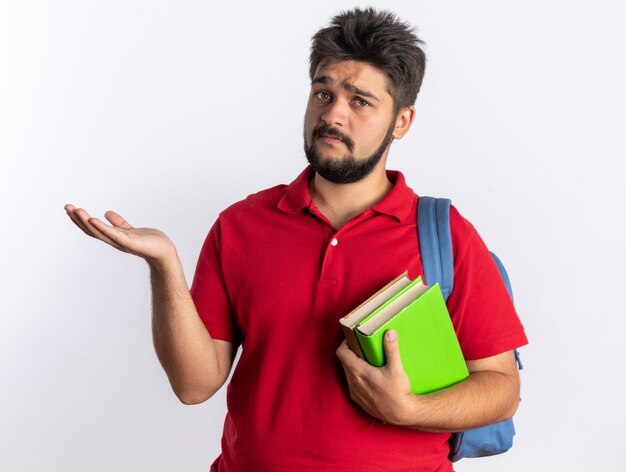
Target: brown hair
[[378, 38]]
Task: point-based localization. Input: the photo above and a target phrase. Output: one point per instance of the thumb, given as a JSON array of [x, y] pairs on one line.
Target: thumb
[[392, 351], [116, 220]]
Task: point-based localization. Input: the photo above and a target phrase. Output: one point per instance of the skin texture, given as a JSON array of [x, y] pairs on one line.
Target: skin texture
[[352, 98]]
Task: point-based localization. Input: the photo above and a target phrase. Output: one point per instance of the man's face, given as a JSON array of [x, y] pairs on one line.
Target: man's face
[[349, 121]]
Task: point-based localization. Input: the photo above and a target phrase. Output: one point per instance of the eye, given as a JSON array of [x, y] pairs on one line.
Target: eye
[[359, 102], [322, 96]]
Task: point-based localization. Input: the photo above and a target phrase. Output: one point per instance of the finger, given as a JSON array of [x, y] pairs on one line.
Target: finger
[[392, 351], [345, 354], [84, 221], [340, 352], [352, 364], [106, 233], [80, 226], [75, 216], [116, 220], [87, 221]]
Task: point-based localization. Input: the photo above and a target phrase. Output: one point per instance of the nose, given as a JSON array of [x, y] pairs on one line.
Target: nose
[[336, 113]]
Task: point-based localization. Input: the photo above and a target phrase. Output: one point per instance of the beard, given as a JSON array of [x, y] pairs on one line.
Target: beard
[[348, 169]]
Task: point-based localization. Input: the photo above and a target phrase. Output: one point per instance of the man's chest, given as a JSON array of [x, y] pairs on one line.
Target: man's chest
[[300, 273]]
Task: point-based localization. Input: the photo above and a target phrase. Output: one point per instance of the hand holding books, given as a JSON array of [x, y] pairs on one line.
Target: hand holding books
[[384, 392], [428, 347]]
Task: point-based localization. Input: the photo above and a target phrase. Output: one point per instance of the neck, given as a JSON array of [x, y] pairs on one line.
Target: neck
[[342, 202]]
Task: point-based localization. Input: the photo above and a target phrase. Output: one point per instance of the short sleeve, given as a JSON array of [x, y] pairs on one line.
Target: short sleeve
[[209, 293], [481, 310]]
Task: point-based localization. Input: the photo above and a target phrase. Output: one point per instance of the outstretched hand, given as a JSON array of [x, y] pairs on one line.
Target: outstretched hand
[[384, 392], [151, 244]]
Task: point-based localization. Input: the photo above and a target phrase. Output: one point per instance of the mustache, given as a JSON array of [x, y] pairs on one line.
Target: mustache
[[325, 130]]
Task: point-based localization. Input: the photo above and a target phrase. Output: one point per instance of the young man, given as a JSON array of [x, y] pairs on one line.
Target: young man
[[280, 268]]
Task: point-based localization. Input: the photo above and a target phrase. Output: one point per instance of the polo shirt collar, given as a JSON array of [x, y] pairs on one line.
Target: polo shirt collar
[[297, 197], [397, 203]]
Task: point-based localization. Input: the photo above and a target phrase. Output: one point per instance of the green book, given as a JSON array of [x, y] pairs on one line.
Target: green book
[[429, 349]]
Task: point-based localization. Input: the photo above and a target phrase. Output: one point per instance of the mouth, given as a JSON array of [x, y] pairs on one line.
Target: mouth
[[330, 139], [325, 135]]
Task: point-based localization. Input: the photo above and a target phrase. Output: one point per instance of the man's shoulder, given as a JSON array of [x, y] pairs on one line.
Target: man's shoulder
[[262, 201], [277, 200]]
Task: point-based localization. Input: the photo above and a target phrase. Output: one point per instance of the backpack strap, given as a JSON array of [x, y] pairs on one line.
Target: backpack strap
[[435, 242]]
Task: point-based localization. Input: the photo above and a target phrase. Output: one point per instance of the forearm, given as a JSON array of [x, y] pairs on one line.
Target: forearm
[[490, 394], [183, 345], [483, 398]]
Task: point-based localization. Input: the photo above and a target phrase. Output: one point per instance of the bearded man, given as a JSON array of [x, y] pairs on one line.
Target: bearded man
[[278, 270]]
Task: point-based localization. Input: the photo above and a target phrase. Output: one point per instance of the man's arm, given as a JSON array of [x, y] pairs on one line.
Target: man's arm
[[490, 394], [196, 364]]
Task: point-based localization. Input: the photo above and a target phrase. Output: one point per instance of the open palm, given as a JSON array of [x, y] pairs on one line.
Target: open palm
[[148, 243]]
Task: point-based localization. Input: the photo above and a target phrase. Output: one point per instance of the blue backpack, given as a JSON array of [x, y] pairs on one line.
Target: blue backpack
[[433, 226]]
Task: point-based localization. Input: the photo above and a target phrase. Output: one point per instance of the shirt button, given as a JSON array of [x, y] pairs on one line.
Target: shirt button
[[334, 242]]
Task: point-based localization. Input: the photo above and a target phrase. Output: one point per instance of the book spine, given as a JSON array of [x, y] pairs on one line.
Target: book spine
[[353, 342], [372, 347]]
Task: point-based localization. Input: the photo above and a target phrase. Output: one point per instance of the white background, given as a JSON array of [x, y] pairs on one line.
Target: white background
[[169, 111]]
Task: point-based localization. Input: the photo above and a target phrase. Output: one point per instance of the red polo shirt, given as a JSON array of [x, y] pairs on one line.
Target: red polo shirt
[[274, 275]]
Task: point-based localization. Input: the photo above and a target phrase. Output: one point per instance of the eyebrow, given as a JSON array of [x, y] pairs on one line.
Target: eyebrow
[[350, 87]]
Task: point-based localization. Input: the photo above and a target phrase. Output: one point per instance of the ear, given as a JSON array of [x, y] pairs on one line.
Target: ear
[[404, 121]]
